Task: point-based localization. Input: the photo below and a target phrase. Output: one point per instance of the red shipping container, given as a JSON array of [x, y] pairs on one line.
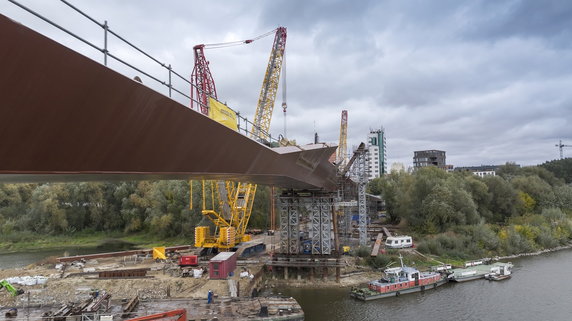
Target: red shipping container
[[222, 265], [189, 260]]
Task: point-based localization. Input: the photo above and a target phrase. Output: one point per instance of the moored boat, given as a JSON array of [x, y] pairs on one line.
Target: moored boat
[[497, 277], [500, 272], [480, 271], [397, 281]]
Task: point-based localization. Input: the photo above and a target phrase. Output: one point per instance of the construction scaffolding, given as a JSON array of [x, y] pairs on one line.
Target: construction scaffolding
[[362, 182], [293, 208]]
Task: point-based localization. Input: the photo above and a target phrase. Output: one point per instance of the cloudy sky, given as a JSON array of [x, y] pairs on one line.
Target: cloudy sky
[[486, 81]]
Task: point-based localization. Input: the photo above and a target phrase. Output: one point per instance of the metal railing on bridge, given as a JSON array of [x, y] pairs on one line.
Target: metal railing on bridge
[[243, 123]]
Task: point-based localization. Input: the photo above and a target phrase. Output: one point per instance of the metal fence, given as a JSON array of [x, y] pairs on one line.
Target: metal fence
[[245, 126]]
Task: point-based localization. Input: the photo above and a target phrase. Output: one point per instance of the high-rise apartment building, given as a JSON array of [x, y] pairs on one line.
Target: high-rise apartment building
[[376, 153]]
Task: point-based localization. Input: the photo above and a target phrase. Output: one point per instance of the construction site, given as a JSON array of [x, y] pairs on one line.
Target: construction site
[[320, 210]]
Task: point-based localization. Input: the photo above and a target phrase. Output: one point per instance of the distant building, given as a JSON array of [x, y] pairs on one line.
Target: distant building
[[376, 153], [424, 158], [397, 167], [481, 171]]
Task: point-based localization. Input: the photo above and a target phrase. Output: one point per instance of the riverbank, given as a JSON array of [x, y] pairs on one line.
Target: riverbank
[[558, 248], [114, 241]]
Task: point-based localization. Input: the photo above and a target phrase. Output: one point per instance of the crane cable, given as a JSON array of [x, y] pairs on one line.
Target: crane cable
[[238, 42]]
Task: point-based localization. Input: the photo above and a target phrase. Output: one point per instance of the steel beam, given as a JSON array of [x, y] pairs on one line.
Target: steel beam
[[65, 117]]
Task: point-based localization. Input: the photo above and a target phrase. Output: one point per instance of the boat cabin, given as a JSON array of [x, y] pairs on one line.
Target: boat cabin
[[401, 274], [398, 242]]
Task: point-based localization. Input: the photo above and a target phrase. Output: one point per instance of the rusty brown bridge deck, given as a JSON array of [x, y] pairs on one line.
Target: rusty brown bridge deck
[[65, 117]]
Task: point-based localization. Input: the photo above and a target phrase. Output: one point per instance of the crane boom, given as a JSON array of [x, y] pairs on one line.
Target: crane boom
[[341, 157], [203, 80], [265, 107]]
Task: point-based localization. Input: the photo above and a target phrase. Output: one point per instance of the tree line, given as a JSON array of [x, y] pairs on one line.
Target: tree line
[[461, 215], [159, 207]]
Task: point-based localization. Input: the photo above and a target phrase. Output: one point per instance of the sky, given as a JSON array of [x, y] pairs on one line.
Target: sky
[[488, 82]]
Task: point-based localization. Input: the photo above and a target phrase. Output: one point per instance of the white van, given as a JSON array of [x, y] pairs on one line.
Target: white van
[[398, 242]]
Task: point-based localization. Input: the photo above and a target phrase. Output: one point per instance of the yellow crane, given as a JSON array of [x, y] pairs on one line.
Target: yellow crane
[[238, 196]]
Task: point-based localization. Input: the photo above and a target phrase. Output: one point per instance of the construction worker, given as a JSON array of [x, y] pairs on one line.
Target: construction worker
[[210, 297]]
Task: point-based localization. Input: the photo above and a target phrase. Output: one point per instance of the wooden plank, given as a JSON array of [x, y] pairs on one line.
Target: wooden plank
[[232, 288], [377, 245], [386, 231]]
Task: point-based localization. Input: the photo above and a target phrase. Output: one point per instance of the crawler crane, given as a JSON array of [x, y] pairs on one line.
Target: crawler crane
[[236, 199]]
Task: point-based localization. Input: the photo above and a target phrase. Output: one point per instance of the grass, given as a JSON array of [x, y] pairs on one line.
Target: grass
[[30, 241]]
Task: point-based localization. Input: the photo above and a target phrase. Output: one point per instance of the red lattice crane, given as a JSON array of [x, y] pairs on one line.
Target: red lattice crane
[[202, 79]]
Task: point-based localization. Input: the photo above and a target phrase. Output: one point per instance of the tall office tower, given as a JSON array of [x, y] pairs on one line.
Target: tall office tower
[[376, 154]]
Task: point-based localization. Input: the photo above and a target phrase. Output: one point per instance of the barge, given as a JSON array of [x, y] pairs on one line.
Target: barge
[[480, 271]]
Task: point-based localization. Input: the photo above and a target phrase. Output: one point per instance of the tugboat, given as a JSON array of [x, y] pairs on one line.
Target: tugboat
[[397, 281]]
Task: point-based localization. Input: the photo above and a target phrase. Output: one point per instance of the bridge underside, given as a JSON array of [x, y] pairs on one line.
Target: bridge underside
[[64, 117]]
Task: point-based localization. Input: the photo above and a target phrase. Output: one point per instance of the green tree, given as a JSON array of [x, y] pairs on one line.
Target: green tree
[[563, 196], [561, 168], [538, 189], [46, 210], [479, 192], [375, 186], [436, 212], [503, 198]]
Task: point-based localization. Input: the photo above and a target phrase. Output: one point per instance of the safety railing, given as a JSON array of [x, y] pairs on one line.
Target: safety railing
[[243, 123]]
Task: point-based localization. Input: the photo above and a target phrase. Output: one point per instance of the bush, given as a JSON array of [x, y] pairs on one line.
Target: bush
[[545, 239], [380, 261], [363, 251], [553, 214], [515, 243], [430, 246], [450, 245]]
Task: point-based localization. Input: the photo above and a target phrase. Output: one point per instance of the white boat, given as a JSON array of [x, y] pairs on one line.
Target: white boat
[[500, 272], [480, 271]]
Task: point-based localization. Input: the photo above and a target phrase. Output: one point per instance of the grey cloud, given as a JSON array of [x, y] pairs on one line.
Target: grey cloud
[[487, 81], [548, 20]]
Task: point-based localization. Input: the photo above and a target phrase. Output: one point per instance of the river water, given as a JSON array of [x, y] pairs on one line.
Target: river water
[[540, 289]]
